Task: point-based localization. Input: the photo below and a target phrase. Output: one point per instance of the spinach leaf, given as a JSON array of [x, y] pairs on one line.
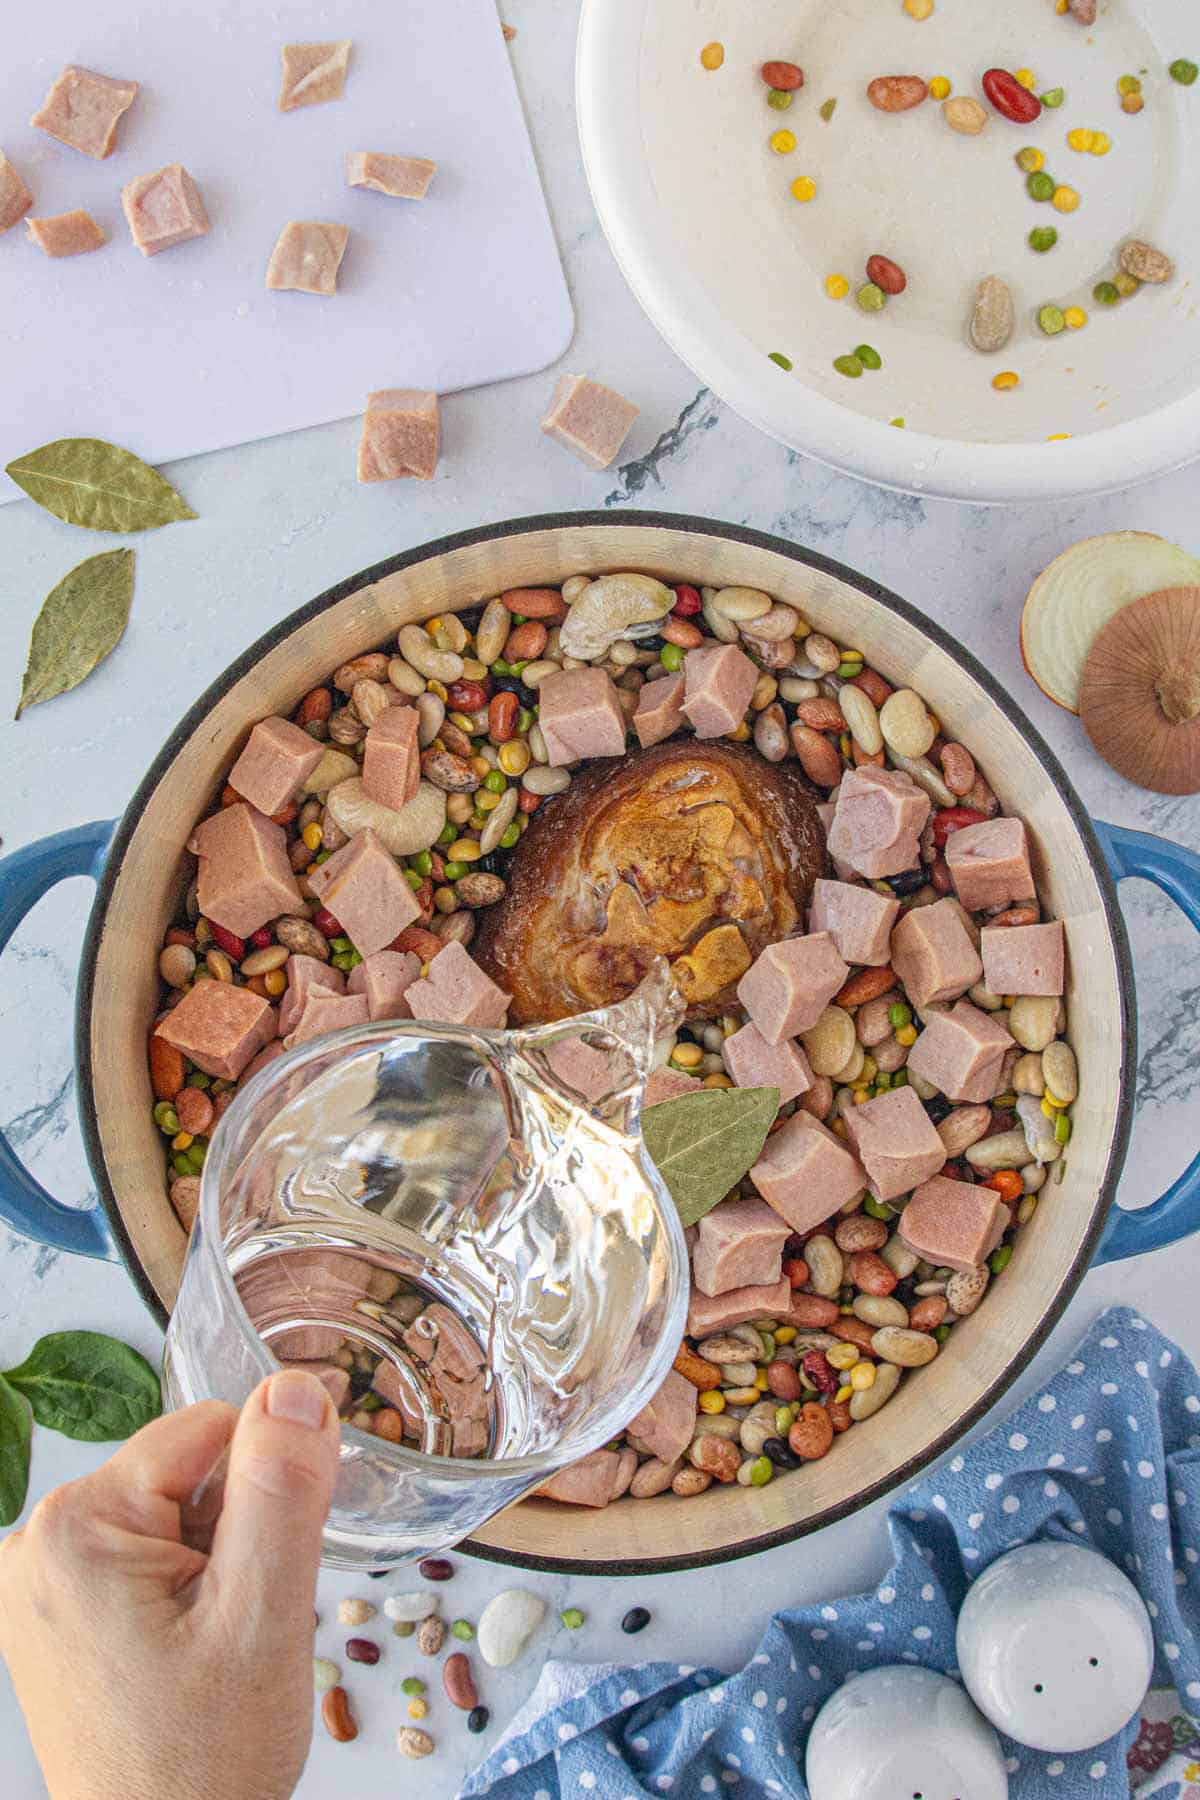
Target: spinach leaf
[[16, 1430], [88, 1386]]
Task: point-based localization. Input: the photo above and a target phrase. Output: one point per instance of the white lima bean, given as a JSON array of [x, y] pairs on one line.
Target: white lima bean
[[825, 1265], [905, 723], [830, 1043], [908, 1349], [1007, 1150], [419, 649], [507, 1623], [741, 604], [410, 1609], [1033, 1020], [612, 607], [492, 634], [881, 1311], [402, 831], [860, 715], [1060, 1072], [869, 1400]]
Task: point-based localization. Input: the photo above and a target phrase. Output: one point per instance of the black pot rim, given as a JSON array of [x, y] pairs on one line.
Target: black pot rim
[[738, 534]]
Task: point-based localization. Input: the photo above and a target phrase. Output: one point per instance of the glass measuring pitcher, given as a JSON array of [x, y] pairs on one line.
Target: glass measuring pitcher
[[460, 1231]]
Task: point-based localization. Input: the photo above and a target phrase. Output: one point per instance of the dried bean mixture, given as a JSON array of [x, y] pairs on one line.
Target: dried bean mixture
[[770, 1394]]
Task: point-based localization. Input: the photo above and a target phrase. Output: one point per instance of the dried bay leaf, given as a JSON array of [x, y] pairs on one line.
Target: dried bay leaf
[[703, 1143], [85, 481], [81, 621]]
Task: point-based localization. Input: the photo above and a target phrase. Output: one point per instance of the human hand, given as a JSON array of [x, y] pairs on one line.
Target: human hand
[[162, 1651]]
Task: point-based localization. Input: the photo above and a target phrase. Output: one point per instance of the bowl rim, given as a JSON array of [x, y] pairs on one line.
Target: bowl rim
[[908, 461], [693, 525]]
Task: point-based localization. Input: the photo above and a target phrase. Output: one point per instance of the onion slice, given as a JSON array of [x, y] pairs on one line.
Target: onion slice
[[1079, 592]]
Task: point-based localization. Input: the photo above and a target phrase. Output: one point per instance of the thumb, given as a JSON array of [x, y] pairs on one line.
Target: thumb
[[282, 1466]]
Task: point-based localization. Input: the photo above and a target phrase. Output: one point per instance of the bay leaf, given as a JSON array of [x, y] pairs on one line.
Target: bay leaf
[[85, 481], [703, 1143], [81, 621]]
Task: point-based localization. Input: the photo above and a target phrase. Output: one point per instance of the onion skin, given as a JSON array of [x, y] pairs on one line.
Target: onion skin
[[1140, 692]]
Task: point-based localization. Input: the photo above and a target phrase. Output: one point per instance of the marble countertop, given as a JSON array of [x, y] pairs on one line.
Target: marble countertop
[[281, 520]]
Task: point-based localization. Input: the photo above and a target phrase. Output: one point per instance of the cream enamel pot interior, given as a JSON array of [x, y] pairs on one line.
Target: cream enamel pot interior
[[143, 866]]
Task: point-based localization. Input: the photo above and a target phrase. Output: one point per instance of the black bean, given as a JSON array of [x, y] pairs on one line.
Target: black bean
[[435, 1568], [508, 684], [781, 1454], [907, 882], [478, 1718], [636, 1619], [527, 696], [938, 1108], [378, 1574]]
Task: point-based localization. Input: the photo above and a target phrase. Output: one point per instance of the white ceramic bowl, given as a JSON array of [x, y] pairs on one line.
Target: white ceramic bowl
[[699, 214]]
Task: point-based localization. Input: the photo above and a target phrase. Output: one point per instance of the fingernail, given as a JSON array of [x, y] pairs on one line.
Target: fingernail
[[298, 1397]]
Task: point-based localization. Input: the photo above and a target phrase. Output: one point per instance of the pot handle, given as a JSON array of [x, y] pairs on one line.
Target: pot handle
[[24, 877], [1176, 1213]]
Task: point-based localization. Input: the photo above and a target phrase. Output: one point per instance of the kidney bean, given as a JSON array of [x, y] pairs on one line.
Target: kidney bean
[[896, 93], [958, 768], [818, 1371], [362, 1650], [459, 1682], [326, 924], [853, 1331], [536, 603], [939, 876], [435, 1568], [423, 943], [873, 686], [954, 818], [783, 1381], [1016, 915], [678, 631], [526, 642], [687, 601], [870, 1274], [929, 1312], [785, 76], [818, 757], [466, 696], [811, 1434], [502, 717], [886, 274], [810, 1311], [527, 802], [1009, 98], [868, 984], [336, 1716], [315, 705]]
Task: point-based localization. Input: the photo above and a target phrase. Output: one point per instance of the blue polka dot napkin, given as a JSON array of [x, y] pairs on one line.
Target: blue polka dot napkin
[[1106, 1455]]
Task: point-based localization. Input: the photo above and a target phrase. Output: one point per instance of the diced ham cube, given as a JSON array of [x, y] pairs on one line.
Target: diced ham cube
[[953, 1224], [708, 1314], [307, 256], [391, 771], [668, 1084], [667, 1423], [806, 1173], [933, 955], [65, 234], [580, 716], [403, 177], [275, 764], [857, 919], [15, 197], [878, 822], [385, 979], [164, 209], [362, 886], [457, 992], [401, 435], [659, 713], [303, 1343], [457, 1366], [83, 109], [960, 1053], [989, 864], [312, 73], [325, 1012], [740, 1245], [245, 876], [896, 1140], [590, 420], [268, 1054], [304, 973], [753, 1061], [593, 1074], [717, 684], [588, 1482], [790, 984], [219, 1027], [1024, 959]]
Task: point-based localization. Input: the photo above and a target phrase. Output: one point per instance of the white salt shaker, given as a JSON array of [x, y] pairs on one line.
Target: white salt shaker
[[1055, 1646], [903, 1733]]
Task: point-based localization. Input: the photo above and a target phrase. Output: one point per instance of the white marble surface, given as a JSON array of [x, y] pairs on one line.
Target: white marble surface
[[281, 520]]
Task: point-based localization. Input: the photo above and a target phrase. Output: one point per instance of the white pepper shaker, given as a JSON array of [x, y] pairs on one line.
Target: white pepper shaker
[[903, 1733]]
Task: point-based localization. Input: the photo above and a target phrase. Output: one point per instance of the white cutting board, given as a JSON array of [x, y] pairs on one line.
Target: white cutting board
[[187, 351]]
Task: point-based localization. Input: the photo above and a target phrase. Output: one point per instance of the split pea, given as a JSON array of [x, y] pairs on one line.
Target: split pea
[[939, 87], [782, 142], [1007, 378], [804, 188], [837, 287], [1065, 199], [712, 56]]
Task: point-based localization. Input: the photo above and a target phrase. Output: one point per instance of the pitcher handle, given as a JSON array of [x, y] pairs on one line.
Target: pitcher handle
[[1176, 1213], [25, 876]]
